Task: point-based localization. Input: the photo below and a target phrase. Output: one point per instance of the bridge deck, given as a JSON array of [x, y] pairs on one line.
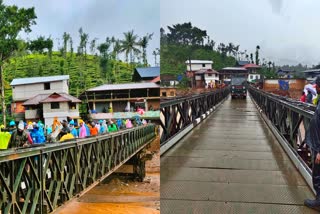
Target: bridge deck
[[231, 164]]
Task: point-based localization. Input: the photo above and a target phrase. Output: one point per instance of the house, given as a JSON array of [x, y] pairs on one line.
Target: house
[[117, 98], [168, 92], [206, 77], [225, 74], [196, 72], [47, 106], [253, 74], [311, 74], [25, 88], [195, 65], [146, 74]]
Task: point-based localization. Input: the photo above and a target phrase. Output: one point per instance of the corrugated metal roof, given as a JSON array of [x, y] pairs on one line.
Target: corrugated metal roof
[[243, 62], [110, 87], [148, 71], [49, 98], [199, 61], [234, 68], [32, 80], [311, 70]]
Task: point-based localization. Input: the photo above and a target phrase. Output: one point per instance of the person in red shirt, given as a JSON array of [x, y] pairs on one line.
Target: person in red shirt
[[303, 97], [93, 129]]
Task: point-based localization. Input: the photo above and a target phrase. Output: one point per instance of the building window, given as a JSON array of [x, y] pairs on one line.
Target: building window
[[203, 65], [55, 105], [72, 106], [172, 93], [164, 94], [210, 75], [47, 86], [251, 77]]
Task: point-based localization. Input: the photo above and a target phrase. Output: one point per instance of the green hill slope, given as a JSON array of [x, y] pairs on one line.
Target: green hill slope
[[85, 72]]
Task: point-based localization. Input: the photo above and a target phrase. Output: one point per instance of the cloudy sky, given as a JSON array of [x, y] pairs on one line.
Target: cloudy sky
[[287, 31], [98, 18]]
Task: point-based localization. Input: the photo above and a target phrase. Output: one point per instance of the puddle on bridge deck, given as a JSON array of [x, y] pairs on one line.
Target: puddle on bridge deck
[[120, 196]]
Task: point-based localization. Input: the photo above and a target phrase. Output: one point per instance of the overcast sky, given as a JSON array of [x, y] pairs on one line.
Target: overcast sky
[[287, 31], [98, 18]]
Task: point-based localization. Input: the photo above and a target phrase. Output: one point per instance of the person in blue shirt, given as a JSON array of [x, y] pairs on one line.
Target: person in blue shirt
[[73, 130]]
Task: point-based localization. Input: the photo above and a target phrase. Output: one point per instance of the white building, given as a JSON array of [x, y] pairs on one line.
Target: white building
[[195, 65], [24, 89], [49, 106]]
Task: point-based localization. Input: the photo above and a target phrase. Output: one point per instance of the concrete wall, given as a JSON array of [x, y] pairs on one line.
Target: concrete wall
[[170, 92], [24, 92], [61, 113], [195, 67], [212, 78], [31, 114], [294, 84], [252, 77]]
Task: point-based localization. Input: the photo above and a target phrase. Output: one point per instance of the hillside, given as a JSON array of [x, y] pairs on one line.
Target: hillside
[[85, 72], [173, 57]]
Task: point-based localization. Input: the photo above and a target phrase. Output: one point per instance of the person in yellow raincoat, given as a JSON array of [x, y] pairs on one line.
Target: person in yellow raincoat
[[67, 136]]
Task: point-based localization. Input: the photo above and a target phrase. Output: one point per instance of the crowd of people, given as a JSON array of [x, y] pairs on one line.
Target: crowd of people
[[23, 134], [310, 95]]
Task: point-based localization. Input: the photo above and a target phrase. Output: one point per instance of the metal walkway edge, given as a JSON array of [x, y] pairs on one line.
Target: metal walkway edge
[[231, 163]]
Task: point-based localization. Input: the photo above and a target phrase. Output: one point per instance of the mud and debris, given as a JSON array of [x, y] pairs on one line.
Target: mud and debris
[[122, 195]]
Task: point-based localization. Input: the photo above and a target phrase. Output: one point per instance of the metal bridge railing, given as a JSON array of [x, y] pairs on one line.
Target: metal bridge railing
[[38, 180], [289, 118], [177, 114]]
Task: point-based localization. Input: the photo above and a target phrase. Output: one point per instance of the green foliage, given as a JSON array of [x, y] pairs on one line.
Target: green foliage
[[82, 76], [40, 44], [14, 20], [173, 58]]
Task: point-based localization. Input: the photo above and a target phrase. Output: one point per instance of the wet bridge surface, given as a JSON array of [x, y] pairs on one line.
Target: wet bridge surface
[[231, 163]]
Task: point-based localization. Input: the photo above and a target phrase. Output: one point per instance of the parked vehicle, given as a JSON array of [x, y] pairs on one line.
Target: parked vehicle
[[239, 87]]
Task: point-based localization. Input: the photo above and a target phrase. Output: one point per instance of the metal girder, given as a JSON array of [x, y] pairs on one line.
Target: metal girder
[[176, 114], [39, 180], [289, 117]]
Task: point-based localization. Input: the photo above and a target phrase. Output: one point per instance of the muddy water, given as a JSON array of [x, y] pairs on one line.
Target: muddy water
[[119, 195]]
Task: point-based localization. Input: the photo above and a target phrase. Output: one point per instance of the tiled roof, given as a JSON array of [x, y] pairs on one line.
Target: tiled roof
[[32, 80], [50, 98]]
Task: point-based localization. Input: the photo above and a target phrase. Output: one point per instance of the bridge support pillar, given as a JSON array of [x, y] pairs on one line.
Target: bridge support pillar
[[136, 166]]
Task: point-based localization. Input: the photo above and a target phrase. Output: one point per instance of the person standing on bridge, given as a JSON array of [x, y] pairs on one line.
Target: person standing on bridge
[[313, 141]]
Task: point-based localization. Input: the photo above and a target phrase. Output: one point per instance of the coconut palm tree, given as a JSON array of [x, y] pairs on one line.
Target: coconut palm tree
[[130, 45], [144, 41]]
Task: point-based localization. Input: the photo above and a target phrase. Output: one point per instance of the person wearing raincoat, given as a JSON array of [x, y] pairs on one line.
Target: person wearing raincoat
[[73, 130], [82, 129], [36, 134], [312, 139]]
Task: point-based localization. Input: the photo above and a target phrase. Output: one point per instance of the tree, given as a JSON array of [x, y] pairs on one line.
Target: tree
[[84, 37], [66, 38], [186, 34], [130, 45], [13, 21], [155, 53], [257, 55], [144, 41], [93, 45], [103, 49], [40, 44], [251, 57], [71, 47]]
